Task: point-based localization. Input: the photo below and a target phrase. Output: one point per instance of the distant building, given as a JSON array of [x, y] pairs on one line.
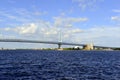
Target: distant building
[[88, 47]]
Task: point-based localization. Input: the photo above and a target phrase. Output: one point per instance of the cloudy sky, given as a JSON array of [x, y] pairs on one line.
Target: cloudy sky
[[78, 21]]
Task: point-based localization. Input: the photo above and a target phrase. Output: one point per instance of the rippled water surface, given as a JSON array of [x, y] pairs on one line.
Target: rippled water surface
[[59, 65]]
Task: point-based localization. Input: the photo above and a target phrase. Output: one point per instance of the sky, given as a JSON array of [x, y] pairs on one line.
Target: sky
[[78, 21]]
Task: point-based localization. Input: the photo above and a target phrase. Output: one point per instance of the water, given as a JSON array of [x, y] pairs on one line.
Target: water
[[59, 65]]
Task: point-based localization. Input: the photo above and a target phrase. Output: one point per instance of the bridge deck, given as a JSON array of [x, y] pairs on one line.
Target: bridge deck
[[47, 42]]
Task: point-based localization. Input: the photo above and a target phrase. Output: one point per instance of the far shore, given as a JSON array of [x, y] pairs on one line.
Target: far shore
[[65, 49]]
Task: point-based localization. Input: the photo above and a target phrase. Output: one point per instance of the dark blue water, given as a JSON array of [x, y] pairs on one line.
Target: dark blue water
[[59, 65]]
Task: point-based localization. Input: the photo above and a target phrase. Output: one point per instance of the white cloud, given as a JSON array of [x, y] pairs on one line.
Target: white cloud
[[85, 4], [116, 10], [7, 29], [6, 14], [21, 15], [115, 18], [105, 36], [67, 22], [22, 30], [44, 29], [73, 31], [30, 29], [49, 31]]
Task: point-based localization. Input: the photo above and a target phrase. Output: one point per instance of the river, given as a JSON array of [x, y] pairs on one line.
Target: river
[[59, 65]]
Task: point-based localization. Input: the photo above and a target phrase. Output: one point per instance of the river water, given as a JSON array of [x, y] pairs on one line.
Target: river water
[[59, 65]]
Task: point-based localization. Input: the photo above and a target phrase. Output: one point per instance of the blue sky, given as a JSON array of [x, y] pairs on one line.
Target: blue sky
[[80, 21]]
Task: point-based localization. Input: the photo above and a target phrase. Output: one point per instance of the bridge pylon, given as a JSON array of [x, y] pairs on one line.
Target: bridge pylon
[[59, 46]]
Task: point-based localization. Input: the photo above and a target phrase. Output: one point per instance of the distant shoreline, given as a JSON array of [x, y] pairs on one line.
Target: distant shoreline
[[56, 50]]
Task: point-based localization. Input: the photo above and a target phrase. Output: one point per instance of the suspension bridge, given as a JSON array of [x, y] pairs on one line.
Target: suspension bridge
[[52, 42]]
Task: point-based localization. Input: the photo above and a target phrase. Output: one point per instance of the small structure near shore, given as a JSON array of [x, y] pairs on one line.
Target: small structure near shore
[[88, 47]]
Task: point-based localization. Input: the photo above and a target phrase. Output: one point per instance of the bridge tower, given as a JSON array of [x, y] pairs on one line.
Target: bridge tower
[[59, 46], [60, 39]]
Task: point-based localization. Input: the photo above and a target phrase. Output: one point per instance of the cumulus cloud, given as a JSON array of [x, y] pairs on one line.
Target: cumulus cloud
[[23, 30], [30, 29], [45, 30]]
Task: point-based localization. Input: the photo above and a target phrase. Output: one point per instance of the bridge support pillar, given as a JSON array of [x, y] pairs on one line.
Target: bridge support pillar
[[59, 46]]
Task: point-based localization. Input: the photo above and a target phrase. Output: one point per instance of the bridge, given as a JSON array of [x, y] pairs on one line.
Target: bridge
[[50, 42]]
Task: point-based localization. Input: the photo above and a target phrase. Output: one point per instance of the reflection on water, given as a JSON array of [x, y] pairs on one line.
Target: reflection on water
[[59, 65]]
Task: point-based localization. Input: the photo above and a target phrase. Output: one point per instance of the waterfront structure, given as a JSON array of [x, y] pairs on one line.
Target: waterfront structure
[[88, 47]]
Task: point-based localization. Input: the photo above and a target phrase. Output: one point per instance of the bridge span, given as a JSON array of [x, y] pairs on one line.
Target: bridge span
[[36, 41], [49, 42]]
